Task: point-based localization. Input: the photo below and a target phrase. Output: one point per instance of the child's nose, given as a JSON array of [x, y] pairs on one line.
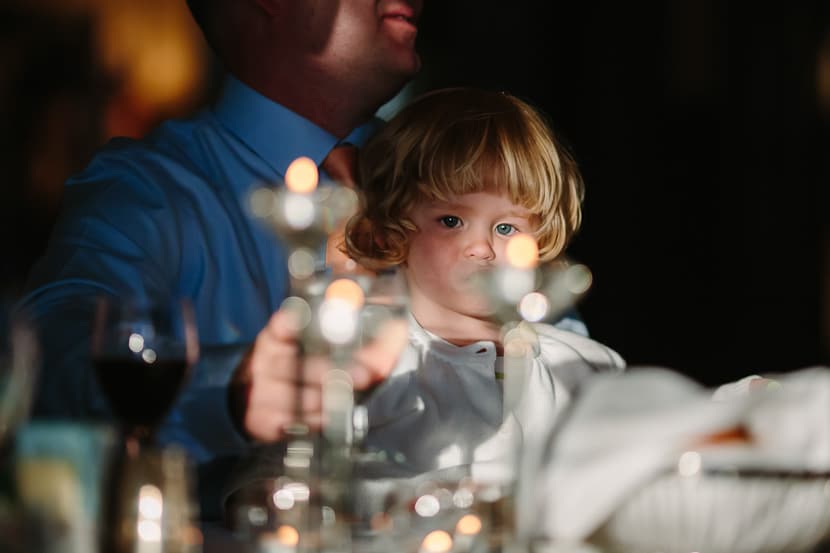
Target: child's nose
[[480, 248]]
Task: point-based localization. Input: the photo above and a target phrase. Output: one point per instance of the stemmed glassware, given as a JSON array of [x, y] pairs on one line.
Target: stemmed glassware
[[142, 352], [304, 215], [337, 313]]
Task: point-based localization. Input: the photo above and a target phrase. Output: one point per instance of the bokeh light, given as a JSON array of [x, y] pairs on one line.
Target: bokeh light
[[347, 290], [299, 211], [301, 176], [437, 541], [262, 202], [150, 510], [338, 322], [463, 498], [283, 499], [135, 342], [468, 524], [150, 502], [283, 536], [149, 530], [257, 516], [513, 283], [301, 263], [689, 464], [534, 307], [522, 251], [578, 278], [299, 490], [427, 505], [149, 356], [299, 309]]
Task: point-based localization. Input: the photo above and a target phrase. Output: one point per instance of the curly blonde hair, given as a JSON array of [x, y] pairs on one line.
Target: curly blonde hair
[[457, 141]]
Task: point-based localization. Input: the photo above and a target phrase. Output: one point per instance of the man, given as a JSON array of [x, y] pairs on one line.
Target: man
[[165, 216]]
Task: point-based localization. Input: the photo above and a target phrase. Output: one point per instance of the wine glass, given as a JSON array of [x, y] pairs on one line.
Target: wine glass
[[142, 352]]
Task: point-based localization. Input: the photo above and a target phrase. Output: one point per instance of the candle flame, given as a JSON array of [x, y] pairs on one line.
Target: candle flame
[[522, 251], [287, 535], [468, 525], [301, 176], [346, 290], [437, 541]]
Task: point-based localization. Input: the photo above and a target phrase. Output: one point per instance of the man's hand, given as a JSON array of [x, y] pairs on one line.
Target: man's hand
[[265, 390]]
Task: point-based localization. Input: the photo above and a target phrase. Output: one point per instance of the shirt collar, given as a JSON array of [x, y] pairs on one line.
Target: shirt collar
[[479, 355], [260, 123]]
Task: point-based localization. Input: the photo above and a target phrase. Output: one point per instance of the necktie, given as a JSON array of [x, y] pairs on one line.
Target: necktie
[[341, 165]]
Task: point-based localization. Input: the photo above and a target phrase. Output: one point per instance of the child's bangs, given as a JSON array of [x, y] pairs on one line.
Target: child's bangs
[[481, 155], [457, 167]]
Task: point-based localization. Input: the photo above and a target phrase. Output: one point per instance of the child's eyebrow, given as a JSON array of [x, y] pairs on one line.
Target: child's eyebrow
[[441, 204], [519, 213]]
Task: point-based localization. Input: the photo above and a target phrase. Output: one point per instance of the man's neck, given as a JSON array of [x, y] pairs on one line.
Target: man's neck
[[331, 106]]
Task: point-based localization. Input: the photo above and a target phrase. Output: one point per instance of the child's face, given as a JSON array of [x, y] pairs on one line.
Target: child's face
[[456, 239]]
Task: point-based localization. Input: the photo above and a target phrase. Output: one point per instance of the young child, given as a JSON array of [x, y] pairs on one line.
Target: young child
[[443, 187]]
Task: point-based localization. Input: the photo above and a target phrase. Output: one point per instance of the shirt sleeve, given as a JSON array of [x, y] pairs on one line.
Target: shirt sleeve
[[571, 321], [119, 235]]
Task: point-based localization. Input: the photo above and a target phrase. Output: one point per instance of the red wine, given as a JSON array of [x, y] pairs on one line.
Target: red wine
[[140, 394]]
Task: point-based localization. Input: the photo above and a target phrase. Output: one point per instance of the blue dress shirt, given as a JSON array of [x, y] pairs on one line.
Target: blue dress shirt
[[166, 217]]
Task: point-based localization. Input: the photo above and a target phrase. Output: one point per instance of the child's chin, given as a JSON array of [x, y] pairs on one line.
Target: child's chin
[[480, 308]]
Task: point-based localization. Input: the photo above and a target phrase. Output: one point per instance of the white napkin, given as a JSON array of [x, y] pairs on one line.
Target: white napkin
[[625, 430]]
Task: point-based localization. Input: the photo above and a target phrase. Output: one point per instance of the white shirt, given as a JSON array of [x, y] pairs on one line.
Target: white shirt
[[442, 406]]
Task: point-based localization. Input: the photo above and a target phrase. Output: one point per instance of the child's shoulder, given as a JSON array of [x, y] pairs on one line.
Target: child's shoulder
[[557, 345]]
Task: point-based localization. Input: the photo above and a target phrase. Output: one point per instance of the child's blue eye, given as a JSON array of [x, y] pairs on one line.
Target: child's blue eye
[[450, 221], [505, 229]]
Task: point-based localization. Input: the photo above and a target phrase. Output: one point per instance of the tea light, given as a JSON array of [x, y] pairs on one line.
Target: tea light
[[284, 539], [437, 541], [467, 529]]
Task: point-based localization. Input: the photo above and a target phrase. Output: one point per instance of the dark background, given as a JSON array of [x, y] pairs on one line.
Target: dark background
[[700, 133], [701, 127]]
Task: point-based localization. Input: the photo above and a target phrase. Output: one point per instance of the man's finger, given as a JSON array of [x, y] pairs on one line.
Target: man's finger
[[283, 325]]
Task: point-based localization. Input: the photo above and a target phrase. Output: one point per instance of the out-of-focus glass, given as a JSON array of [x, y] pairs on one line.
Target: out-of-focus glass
[[451, 510], [386, 301], [59, 472], [19, 363], [152, 507], [142, 352]]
